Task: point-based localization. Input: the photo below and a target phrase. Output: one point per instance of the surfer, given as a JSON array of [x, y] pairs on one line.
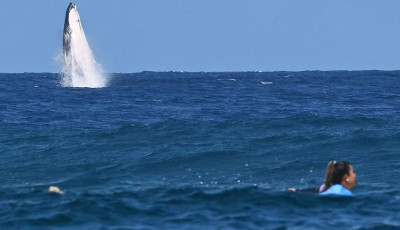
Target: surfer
[[339, 179]]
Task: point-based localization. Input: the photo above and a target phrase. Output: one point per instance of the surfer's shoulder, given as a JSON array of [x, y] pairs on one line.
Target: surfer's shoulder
[[337, 189]]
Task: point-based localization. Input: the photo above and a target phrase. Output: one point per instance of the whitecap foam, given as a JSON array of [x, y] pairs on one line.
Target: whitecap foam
[[266, 82]]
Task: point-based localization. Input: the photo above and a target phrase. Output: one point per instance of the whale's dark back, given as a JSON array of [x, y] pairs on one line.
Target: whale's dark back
[[66, 32]]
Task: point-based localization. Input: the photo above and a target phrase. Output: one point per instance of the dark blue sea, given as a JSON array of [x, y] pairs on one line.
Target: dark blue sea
[[177, 150]]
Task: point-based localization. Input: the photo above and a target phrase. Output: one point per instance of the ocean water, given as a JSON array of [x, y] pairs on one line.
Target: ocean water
[[176, 150]]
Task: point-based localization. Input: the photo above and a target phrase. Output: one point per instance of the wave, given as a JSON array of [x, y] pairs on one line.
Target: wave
[[189, 207]]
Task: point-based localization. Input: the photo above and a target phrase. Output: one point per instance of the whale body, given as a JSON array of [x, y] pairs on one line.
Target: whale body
[[80, 68]]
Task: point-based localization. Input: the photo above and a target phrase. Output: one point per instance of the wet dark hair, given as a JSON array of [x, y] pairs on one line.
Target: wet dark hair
[[335, 172]]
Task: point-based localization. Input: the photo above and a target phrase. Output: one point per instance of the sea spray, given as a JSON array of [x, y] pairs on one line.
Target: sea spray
[[80, 68]]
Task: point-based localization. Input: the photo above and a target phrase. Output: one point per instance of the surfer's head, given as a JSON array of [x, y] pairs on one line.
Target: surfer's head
[[340, 172]]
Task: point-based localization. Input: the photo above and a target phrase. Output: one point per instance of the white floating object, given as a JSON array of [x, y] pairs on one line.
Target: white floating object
[[54, 189]]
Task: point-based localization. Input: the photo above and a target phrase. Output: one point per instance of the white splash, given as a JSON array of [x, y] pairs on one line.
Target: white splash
[[80, 68], [266, 82]]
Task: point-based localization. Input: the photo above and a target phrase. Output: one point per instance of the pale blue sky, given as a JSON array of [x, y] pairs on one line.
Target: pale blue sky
[[207, 35]]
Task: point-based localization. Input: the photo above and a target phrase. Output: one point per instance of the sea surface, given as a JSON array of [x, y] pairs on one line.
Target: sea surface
[[178, 150]]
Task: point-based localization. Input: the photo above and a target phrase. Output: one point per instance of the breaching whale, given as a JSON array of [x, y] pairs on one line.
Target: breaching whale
[[80, 68]]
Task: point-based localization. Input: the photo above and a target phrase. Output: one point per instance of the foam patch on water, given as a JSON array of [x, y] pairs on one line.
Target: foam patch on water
[[266, 82]]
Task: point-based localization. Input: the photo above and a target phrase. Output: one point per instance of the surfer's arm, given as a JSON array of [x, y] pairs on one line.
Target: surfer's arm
[[307, 190]]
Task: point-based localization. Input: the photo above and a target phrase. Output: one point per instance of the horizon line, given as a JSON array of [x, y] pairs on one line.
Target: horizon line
[[242, 71]]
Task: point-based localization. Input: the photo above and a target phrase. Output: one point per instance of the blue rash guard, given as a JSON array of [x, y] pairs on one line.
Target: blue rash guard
[[337, 189]]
